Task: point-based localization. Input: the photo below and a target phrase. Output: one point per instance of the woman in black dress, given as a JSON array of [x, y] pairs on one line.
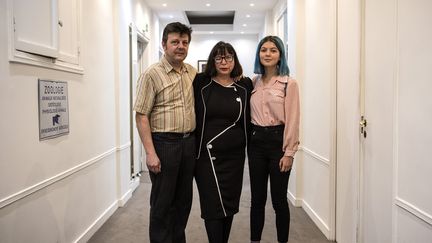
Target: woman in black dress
[[222, 114]]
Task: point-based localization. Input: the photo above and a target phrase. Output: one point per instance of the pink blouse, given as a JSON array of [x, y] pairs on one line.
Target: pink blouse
[[277, 103]]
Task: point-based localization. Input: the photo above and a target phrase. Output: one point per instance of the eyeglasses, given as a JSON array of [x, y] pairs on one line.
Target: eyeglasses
[[228, 58]]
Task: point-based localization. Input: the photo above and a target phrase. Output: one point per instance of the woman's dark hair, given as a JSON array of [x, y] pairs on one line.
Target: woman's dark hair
[[282, 64], [222, 48], [176, 27]]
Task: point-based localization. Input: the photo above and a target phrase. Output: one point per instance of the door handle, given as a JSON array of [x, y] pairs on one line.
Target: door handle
[[363, 125]]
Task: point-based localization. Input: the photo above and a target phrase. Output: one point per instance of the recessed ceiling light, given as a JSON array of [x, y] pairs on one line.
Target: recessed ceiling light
[[211, 32], [244, 25], [247, 15], [171, 17], [164, 4], [208, 4], [242, 32], [252, 4]]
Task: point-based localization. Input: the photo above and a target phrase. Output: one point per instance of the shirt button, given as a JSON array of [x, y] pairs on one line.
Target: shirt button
[[209, 146], [213, 158]]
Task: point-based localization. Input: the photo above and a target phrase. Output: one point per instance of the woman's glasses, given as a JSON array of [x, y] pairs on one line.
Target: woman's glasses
[[228, 58]]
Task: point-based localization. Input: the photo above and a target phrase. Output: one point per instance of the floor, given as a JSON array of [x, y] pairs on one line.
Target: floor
[[130, 223]]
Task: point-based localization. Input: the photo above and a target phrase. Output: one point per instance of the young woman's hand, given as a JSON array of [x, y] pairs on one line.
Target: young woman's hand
[[286, 163]]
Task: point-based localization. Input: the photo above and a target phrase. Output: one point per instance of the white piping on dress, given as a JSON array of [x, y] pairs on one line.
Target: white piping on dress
[[205, 110], [210, 155], [244, 112]]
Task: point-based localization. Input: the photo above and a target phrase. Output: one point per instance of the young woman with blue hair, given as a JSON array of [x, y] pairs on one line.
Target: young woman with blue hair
[[275, 117]]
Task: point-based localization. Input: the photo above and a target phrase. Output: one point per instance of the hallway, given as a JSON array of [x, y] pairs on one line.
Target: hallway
[[130, 223]]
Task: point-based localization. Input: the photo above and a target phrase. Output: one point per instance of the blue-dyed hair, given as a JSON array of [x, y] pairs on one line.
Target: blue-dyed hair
[[282, 64]]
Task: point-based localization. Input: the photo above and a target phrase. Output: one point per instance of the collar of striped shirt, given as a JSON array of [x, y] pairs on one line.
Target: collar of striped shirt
[[168, 67]]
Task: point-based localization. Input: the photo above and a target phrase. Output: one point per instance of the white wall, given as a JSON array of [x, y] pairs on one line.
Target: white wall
[[312, 60], [63, 189], [126, 12], [245, 46]]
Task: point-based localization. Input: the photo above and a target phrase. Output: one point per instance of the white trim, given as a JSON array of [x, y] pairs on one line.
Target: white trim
[[316, 219], [47, 182], [91, 230], [395, 144], [316, 156], [410, 208], [125, 198], [134, 183], [297, 202], [124, 146]]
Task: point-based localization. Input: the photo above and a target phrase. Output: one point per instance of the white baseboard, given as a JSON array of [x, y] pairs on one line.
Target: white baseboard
[[89, 232], [316, 219], [123, 200], [294, 201], [298, 202], [134, 183]]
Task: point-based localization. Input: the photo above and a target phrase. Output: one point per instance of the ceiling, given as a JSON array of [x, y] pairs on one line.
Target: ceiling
[[247, 19]]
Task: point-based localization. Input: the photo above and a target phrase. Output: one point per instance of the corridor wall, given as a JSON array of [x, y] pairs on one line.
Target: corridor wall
[[63, 189]]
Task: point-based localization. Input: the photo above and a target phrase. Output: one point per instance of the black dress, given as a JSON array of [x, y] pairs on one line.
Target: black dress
[[222, 133]]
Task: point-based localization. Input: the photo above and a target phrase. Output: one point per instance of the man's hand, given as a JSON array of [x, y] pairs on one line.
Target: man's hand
[[286, 163], [153, 163], [152, 160]]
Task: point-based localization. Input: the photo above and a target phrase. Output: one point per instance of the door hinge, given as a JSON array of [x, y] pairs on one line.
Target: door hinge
[[363, 125]]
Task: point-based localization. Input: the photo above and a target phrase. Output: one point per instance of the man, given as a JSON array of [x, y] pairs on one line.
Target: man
[[165, 118]]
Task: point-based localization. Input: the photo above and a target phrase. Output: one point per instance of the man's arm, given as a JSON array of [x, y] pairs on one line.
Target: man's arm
[[152, 160]]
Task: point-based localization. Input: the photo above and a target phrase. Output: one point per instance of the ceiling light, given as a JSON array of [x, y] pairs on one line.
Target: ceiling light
[[211, 32], [171, 17], [252, 4], [164, 4], [242, 32], [247, 15], [244, 25], [208, 4]]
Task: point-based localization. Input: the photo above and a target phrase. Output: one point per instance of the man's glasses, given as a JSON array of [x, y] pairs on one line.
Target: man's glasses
[[228, 58]]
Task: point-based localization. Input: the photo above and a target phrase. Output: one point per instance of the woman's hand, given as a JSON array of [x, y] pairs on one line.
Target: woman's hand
[[286, 163]]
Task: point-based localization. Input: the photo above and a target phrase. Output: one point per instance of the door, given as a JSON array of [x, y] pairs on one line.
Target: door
[[138, 50], [395, 196], [376, 141]]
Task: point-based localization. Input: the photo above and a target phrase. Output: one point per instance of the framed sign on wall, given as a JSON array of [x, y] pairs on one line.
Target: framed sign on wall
[[53, 109]]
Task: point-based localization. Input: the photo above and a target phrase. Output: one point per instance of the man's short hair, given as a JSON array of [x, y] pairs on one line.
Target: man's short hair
[[176, 27]]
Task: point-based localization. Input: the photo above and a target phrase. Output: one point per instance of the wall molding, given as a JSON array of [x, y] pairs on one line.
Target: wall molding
[[124, 146], [133, 184], [297, 202], [316, 219], [91, 230], [318, 157], [62, 175], [410, 208]]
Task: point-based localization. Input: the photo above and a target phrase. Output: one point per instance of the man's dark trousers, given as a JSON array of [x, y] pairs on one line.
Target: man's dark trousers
[[171, 193]]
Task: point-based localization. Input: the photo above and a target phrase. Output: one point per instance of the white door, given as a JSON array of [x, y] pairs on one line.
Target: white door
[[395, 168], [376, 159], [138, 44]]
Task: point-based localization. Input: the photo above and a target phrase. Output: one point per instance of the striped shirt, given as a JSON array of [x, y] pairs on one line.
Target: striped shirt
[[166, 97]]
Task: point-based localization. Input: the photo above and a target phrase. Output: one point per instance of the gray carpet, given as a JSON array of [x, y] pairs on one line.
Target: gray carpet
[[130, 223]]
